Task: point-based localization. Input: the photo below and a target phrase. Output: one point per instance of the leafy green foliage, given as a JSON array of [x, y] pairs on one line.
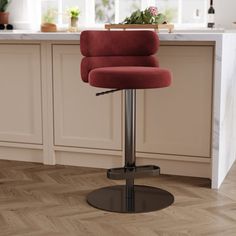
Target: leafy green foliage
[[170, 13], [49, 16], [74, 12], [145, 17], [4, 4]]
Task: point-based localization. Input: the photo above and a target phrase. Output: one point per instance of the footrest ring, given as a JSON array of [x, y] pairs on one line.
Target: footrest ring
[[133, 172]]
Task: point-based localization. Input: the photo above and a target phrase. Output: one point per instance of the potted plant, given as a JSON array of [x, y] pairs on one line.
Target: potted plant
[[48, 21], [4, 16], [148, 16], [74, 16]]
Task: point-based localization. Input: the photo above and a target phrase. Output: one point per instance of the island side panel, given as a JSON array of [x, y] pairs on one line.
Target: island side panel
[[227, 118]]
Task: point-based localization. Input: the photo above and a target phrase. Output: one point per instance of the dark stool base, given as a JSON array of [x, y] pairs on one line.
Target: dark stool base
[[145, 199]]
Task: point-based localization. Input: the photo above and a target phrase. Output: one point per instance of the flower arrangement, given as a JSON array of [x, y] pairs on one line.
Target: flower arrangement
[[149, 16]]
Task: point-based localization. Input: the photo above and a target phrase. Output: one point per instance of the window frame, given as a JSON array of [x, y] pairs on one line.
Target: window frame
[[90, 14]]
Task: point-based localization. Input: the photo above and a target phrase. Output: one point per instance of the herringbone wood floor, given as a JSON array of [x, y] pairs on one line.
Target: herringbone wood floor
[[51, 201]]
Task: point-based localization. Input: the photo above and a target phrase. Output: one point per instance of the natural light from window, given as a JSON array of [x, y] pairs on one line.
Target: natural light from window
[[98, 12]]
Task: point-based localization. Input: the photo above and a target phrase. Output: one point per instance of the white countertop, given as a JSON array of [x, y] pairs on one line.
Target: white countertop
[[177, 35], [35, 35]]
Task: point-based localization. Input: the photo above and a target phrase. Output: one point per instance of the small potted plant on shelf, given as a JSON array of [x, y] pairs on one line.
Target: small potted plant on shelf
[[74, 16], [48, 21], [4, 16]]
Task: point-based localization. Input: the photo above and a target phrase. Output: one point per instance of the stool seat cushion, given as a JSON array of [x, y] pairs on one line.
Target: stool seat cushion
[[130, 77]]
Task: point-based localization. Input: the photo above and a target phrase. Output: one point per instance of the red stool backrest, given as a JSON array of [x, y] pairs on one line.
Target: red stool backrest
[[117, 48]]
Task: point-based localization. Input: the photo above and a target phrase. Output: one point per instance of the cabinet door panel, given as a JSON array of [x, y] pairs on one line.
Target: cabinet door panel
[[177, 120], [81, 118], [20, 94]]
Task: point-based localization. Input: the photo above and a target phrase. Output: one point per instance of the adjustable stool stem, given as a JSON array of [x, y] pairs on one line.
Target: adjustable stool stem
[[130, 143], [130, 198], [130, 132]]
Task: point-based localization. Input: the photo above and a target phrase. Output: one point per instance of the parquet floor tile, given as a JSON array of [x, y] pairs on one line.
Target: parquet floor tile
[[38, 200]]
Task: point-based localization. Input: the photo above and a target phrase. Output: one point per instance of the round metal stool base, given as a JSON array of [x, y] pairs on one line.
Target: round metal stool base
[[145, 199]]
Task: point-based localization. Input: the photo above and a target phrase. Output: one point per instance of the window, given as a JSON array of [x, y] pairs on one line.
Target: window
[[184, 12], [98, 12], [57, 9], [126, 7], [105, 11]]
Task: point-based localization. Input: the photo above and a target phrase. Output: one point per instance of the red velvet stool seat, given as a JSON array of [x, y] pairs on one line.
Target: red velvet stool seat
[[129, 77], [125, 60]]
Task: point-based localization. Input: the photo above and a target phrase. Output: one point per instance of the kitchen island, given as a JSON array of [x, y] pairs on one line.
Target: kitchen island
[[49, 115]]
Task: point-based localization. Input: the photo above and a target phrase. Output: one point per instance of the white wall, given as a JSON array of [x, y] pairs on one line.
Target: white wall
[[225, 12], [19, 13], [25, 14]]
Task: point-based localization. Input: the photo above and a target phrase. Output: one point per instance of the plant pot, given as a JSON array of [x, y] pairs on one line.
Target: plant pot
[[48, 27], [74, 22], [4, 16]]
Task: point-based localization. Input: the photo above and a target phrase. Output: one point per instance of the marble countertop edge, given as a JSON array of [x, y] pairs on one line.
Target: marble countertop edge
[[177, 35]]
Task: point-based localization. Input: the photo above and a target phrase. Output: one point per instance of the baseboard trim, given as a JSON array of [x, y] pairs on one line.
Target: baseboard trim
[[21, 154], [192, 167], [172, 165]]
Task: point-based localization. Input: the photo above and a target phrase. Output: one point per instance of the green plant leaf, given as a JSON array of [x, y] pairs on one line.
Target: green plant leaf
[[144, 17], [4, 4], [49, 16], [160, 19], [74, 12]]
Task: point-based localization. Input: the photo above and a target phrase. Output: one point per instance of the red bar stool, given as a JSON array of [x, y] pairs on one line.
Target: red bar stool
[[125, 60]]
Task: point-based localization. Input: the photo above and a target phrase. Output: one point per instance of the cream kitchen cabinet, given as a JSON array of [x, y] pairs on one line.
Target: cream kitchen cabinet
[[177, 120], [20, 94], [80, 118], [49, 115], [174, 121]]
